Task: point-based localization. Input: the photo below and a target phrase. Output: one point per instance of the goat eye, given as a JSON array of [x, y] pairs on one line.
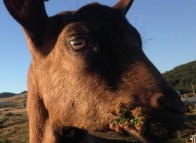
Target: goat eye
[[77, 44]]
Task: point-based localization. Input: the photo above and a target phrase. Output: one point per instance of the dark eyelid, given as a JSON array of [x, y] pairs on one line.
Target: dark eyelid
[[77, 36]]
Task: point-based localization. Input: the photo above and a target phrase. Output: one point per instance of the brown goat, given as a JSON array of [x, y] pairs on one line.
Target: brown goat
[[87, 67]]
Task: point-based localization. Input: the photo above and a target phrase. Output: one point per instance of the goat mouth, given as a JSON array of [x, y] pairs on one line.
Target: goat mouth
[[144, 127], [153, 133]]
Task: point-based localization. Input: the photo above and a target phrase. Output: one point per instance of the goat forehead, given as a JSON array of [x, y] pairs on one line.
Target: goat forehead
[[95, 19], [94, 12]]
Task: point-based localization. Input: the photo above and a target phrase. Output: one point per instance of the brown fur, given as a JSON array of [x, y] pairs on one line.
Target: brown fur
[[68, 89]]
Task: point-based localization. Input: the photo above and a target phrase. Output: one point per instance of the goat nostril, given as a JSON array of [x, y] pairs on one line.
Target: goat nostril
[[172, 103]]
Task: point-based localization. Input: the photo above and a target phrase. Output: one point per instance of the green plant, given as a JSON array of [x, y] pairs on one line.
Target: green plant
[[135, 117], [125, 116]]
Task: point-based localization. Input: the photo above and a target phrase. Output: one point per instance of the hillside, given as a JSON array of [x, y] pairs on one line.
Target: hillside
[[6, 94], [182, 77], [13, 119]]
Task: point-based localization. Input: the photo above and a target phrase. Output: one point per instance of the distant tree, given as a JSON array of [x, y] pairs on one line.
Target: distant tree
[[182, 77]]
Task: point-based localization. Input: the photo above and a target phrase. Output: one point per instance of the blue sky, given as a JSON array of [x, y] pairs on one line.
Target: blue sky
[[167, 27]]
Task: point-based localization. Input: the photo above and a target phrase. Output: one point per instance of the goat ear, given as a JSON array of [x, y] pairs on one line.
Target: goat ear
[[124, 5], [30, 14]]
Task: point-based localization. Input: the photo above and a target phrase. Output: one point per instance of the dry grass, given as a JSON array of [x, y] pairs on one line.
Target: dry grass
[[13, 120]]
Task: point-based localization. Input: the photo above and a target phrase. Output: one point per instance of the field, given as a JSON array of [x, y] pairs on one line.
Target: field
[[14, 122]]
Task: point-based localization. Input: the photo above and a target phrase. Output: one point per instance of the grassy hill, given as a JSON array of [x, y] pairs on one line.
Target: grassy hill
[[6, 94], [182, 77], [13, 119]]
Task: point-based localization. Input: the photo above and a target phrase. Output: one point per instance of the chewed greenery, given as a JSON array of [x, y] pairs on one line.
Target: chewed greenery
[[124, 117], [135, 117]]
